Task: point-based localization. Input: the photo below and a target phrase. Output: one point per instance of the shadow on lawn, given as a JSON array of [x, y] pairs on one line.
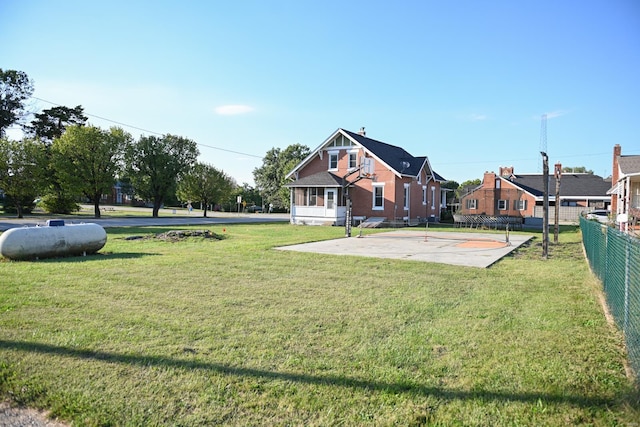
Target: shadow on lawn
[[100, 256], [327, 380]]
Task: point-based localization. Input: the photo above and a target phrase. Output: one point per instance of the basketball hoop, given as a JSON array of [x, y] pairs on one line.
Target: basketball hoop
[[366, 167]]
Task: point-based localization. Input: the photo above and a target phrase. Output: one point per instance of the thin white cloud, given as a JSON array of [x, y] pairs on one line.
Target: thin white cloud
[[475, 117], [558, 113], [231, 110]]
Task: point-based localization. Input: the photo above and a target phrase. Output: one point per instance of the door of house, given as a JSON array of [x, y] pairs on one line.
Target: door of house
[[330, 202]]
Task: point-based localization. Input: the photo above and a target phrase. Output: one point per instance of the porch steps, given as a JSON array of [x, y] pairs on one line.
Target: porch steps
[[373, 222]]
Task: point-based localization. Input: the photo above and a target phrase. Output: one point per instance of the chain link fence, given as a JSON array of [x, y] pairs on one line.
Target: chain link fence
[[615, 259]]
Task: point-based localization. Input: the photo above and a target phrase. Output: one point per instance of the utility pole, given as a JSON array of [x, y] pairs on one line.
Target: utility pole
[[545, 205], [556, 228]]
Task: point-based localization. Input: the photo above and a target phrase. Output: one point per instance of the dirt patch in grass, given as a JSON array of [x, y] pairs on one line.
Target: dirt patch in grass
[[178, 235], [20, 416]]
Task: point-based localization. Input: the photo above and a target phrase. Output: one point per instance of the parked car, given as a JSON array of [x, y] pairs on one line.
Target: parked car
[[600, 215], [254, 209]]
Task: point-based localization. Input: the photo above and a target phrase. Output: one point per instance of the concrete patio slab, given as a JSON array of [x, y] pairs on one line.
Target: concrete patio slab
[[464, 249]]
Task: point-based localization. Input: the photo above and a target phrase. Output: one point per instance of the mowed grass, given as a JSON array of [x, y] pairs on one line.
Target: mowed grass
[[233, 332]]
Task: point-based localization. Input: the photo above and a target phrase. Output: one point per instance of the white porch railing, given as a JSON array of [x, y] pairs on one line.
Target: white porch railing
[[318, 215]]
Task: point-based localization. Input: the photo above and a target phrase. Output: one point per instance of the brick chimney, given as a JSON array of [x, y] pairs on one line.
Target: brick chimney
[[361, 132], [615, 175], [557, 170], [489, 180], [506, 172]]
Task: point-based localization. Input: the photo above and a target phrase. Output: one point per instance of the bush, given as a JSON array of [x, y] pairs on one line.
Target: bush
[[59, 204]]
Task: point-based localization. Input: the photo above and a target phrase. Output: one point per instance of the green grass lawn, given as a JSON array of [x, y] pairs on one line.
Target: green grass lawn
[[232, 332]]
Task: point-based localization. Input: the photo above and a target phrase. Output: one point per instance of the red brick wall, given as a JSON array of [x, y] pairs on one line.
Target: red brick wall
[[489, 194]]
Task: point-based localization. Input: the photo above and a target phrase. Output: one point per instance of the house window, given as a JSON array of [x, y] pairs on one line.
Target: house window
[[520, 205], [433, 197], [353, 159], [378, 197], [406, 197], [635, 196], [333, 160], [424, 195], [313, 197], [340, 141], [503, 205], [472, 203]]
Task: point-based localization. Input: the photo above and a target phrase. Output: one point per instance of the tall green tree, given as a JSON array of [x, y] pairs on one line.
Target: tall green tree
[[205, 184], [87, 160], [21, 172], [51, 123], [155, 164], [15, 89], [270, 177], [46, 127]]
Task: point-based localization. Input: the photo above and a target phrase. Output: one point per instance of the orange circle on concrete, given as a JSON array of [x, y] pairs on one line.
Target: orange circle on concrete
[[481, 244]]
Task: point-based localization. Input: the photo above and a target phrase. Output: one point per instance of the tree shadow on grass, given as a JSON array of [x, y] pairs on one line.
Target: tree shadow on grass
[[321, 380], [100, 256]]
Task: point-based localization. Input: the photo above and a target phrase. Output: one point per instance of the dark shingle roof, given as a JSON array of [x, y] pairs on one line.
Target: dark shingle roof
[[578, 184], [320, 179], [396, 157]]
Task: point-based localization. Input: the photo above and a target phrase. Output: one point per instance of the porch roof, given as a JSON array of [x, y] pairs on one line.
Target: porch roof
[[320, 179]]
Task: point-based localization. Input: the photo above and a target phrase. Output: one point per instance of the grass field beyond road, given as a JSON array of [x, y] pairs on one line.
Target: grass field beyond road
[[230, 332]]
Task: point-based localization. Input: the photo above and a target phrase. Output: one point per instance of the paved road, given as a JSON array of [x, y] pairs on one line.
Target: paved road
[[166, 217]]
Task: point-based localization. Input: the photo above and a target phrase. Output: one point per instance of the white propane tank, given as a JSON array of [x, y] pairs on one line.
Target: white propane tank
[[52, 241]]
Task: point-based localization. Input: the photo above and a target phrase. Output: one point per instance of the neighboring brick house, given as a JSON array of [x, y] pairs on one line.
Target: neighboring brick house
[[625, 190], [508, 194], [378, 179]]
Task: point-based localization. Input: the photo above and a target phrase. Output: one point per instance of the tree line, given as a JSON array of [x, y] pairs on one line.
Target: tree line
[[61, 159]]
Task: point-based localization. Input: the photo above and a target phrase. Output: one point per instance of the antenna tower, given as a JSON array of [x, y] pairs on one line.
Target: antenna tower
[[543, 134]]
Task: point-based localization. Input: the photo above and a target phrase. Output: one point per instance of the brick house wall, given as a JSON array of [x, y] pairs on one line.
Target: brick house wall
[[362, 192], [498, 197]]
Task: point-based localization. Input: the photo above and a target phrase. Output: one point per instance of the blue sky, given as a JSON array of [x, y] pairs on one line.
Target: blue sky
[[462, 82]]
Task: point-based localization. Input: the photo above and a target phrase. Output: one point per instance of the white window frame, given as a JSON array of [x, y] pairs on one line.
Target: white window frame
[[503, 205], [333, 155], [375, 187], [472, 204], [433, 197], [406, 197], [312, 195], [424, 195], [353, 155], [521, 205]]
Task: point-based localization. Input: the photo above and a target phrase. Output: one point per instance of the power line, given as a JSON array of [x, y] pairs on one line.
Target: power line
[[152, 132]]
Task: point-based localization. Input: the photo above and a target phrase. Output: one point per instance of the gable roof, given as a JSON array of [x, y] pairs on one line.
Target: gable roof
[[571, 185], [395, 158], [629, 165]]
